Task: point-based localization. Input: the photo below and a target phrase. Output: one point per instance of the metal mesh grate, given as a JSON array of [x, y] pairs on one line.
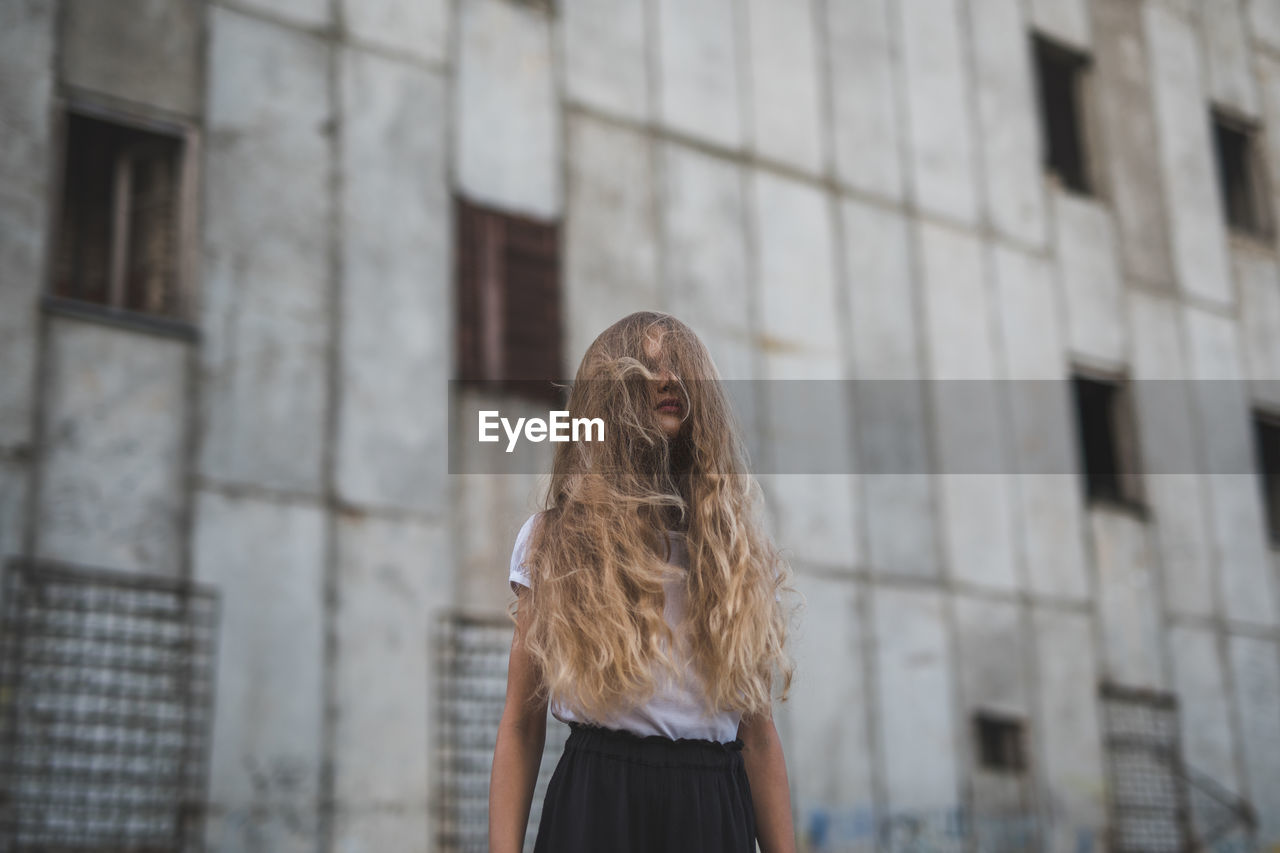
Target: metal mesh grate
[[472, 678], [105, 698], [1148, 789]]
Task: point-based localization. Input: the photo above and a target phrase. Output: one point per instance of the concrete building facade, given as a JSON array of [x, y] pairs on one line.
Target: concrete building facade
[[823, 189]]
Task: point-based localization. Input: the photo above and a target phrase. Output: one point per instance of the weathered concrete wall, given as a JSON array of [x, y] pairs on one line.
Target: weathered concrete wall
[[823, 190], [28, 39], [507, 133], [266, 556], [112, 486], [155, 56], [611, 253], [265, 309], [396, 286]]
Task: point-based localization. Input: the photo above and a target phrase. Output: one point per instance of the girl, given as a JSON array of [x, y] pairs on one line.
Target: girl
[[648, 617]]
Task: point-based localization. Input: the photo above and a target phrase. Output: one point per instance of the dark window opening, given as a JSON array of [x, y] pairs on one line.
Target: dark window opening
[[508, 298], [1000, 742], [1266, 431], [1106, 441], [1059, 74], [118, 241], [1234, 146]]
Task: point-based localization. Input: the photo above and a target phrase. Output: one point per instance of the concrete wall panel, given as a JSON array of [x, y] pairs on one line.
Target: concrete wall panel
[[704, 222], [305, 13], [1203, 709], [374, 831], [882, 323], [1259, 282], [605, 55], [394, 579], [1046, 497], [914, 673], [265, 308], [1089, 276], [700, 92], [799, 339], [1007, 114], [784, 83], [971, 435], [147, 51], [1065, 20], [1186, 157], [940, 139], [1070, 741], [419, 28], [795, 264], [1228, 58], [830, 709], [1128, 603], [992, 679], [486, 516], [1245, 577], [1264, 22], [611, 260], [861, 46], [27, 38], [507, 131], [1126, 129], [395, 329], [267, 561], [114, 466], [1167, 440], [1255, 668], [889, 430]]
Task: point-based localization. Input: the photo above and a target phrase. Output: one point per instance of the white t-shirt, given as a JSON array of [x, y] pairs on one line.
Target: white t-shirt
[[674, 710]]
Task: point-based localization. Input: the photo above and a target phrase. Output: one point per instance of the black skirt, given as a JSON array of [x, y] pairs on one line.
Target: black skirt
[[618, 792]]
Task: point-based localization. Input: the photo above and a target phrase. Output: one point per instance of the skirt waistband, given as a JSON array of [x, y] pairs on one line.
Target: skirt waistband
[[654, 750]]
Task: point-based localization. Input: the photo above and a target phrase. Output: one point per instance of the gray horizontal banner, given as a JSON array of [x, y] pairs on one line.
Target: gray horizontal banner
[[899, 427]]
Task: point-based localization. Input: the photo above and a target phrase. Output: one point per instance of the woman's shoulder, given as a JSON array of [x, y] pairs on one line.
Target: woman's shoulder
[[519, 573]]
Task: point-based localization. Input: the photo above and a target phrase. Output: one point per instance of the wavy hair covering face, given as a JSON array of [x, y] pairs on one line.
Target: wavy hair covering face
[[597, 557]]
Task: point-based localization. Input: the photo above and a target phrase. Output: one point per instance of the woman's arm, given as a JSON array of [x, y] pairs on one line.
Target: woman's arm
[[770, 791], [522, 732]]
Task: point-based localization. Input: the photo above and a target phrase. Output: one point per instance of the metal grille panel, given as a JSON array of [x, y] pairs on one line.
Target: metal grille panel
[[106, 686], [1148, 790], [472, 684]]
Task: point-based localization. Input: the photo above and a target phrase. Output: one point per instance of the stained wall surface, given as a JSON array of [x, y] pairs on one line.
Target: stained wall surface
[[822, 189]]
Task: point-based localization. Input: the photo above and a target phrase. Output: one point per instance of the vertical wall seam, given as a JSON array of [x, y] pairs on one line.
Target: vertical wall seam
[[328, 805]]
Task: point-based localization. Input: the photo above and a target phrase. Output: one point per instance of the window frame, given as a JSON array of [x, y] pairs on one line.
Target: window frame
[[186, 133], [1263, 418], [483, 348], [1011, 729], [1255, 168], [1082, 65], [1126, 447]]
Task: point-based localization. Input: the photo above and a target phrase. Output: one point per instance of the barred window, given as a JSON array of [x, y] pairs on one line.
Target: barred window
[[106, 701], [471, 683]]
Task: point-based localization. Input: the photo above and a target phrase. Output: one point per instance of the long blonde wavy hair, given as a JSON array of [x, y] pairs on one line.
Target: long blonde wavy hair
[[597, 555]]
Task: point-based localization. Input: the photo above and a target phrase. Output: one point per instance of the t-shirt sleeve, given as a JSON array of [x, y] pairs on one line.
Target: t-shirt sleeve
[[519, 571]]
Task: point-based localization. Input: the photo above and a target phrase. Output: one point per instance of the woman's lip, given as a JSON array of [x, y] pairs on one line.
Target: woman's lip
[[665, 407]]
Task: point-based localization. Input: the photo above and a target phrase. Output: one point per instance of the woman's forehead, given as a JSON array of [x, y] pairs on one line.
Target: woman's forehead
[[653, 344]]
